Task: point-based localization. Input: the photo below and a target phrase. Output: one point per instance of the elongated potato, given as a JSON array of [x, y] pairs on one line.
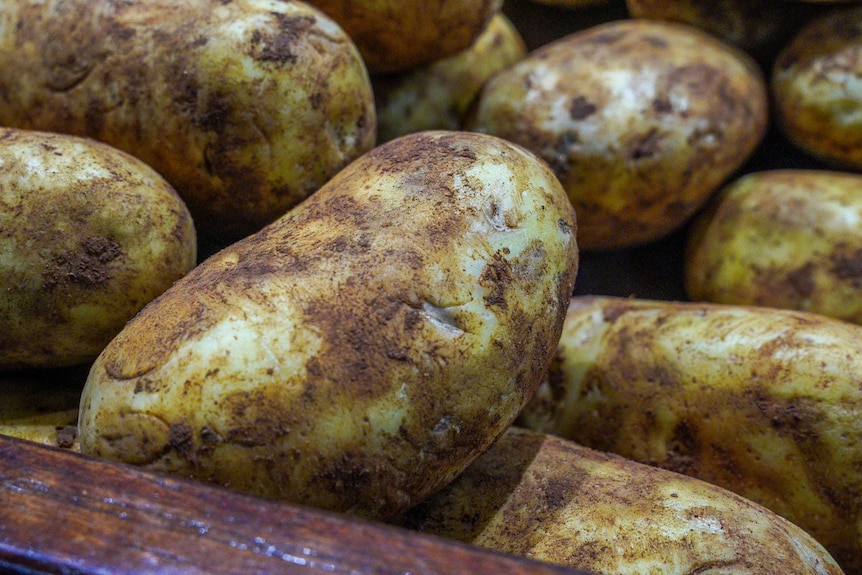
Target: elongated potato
[[245, 107], [550, 499], [761, 401], [641, 121], [358, 353], [781, 238], [88, 236]]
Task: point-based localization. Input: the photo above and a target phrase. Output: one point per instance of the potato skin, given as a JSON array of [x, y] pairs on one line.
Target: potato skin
[[245, 107], [399, 35], [437, 96], [88, 236], [761, 401], [814, 86], [781, 238], [641, 121], [359, 352], [552, 500]]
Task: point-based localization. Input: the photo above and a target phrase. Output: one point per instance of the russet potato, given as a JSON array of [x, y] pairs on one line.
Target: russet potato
[[781, 238], [245, 107], [761, 401], [550, 499], [641, 121], [88, 236], [360, 351]]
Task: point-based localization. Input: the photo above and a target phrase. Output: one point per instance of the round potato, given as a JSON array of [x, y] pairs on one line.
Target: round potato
[[88, 236], [781, 238], [397, 35], [816, 91], [361, 351], [641, 121], [761, 401], [437, 96], [245, 107], [553, 500]]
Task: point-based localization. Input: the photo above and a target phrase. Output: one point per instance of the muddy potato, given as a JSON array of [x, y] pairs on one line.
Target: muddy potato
[[761, 401], [781, 238], [397, 35], [437, 96], [641, 121], [552, 500], [88, 236], [816, 92], [358, 353], [245, 107]]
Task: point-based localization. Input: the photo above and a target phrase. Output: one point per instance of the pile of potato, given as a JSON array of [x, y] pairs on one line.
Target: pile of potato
[[369, 257]]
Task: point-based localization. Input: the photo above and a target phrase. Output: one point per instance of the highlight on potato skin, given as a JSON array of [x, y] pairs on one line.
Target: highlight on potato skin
[[762, 401], [359, 352], [88, 236], [641, 121], [781, 238], [550, 499], [245, 107]]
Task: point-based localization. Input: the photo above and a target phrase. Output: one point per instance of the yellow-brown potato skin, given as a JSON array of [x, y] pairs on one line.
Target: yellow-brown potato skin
[[641, 121], [398, 35], [359, 352], [781, 238], [245, 107], [815, 88], [761, 401], [88, 236], [552, 500], [437, 96]]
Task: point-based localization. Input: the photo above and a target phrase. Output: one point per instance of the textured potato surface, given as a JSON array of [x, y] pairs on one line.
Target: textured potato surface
[[245, 107], [398, 35], [815, 87], [437, 96], [550, 499], [761, 401], [359, 352], [781, 238], [88, 236], [641, 121]]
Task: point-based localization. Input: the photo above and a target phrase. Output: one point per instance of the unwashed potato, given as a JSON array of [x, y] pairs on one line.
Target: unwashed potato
[[752, 26], [816, 90], [641, 121], [781, 238], [553, 500], [88, 236], [361, 351], [397, 35], [761, 401], [437, 96], [245, 107]]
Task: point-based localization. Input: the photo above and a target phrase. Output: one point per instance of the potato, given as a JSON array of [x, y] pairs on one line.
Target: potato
[[752, 26], [245, 107], [816, 91], [359, 352], [641, 121], [89, 236], [549, 499], [761, 401], [781, 238], [395, 36], [437, 96]]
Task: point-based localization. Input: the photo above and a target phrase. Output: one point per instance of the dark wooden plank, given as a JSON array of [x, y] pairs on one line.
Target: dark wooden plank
[[62, 512]]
